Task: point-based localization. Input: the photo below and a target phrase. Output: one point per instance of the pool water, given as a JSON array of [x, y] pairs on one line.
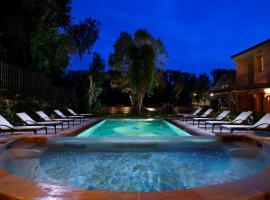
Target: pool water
[[134, 127], [191, 164]]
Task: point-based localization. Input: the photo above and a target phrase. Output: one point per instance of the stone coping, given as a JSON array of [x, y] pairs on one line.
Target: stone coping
[[250, 188], [194, 131]]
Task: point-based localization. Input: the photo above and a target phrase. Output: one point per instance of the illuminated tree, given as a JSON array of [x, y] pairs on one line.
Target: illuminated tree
[[138, 59]]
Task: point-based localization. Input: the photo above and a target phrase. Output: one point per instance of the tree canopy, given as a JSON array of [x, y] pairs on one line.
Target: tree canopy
[[138, 56], [41, 35], [218, 73], [96, 78]]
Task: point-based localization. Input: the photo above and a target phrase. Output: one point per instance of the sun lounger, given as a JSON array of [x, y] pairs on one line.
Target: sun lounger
[[205, 114], [45, 117], [194, 114], [242, 117], [75, 114], [221, 116], [29, 121], [5, 126], [61, 115], [262, 125]]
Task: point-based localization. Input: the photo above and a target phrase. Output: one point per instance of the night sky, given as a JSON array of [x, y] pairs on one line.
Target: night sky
[[200, 35]]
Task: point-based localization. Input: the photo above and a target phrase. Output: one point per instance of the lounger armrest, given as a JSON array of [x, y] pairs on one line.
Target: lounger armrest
[[237, 120], [7, 126], [30, 121], [261, 125], [46, 118]]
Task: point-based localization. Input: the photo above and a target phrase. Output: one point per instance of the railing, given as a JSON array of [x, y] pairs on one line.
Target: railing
[[19, 81], [243, 79]]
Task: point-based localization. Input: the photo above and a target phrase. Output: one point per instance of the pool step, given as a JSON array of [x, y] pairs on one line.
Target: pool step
[[244, 152]]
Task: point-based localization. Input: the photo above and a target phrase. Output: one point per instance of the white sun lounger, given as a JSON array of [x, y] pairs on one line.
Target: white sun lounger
[[5, 126], [205, 114], [29, 121], [75, 114], [194, 114], [61, 115], [221, 116], [45, 117], [242, 117], [262, 125]]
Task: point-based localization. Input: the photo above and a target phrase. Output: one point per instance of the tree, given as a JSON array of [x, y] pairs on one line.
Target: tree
[[138, 58], [83, 36], [218, 73], [41, 34], [88, 83], [49, 50], [96, 78], [19, 19], [79, 78], [202, 88]]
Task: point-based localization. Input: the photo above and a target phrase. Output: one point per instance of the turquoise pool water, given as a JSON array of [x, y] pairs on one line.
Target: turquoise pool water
[[183, 163], [133, 127]]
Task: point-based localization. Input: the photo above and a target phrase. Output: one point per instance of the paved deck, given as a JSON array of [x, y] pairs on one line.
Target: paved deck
[[194, 130], [200, 131], [252, 188]]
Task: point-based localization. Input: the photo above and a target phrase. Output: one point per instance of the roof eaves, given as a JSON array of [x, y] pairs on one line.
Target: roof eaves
[[251, 48]]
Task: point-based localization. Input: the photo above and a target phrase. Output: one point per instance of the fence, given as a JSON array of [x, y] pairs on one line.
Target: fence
[[15, 80]]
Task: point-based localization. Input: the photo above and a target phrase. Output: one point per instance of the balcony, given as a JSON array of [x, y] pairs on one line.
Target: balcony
[[243, 79], [261, 77]]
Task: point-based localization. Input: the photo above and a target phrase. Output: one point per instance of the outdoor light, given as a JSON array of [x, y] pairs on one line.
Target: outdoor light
[[212, 94], [194, 94], [266, 93], [151, 109], [268, 98], [267, 90]]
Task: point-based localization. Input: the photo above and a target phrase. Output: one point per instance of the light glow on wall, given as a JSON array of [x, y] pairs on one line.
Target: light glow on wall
[[267, 90], [268, 98]]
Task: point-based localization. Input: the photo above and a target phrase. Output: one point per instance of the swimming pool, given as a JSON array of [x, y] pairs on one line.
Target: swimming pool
[[133, 127], [178, 163]]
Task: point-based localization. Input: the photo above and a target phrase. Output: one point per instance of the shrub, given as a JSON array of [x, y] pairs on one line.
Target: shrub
[[9, 108]]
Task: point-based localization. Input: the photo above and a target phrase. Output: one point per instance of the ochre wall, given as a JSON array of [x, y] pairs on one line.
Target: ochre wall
[[246, 101], [253, 59], [267, 104]]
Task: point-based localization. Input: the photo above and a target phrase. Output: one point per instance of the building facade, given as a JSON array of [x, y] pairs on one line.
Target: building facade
[[251, 89]]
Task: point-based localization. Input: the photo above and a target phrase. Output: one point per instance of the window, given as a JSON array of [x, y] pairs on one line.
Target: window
[[260, 64]]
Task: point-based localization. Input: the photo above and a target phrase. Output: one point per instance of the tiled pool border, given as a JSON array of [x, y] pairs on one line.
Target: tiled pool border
[[169, 123], [77, 130]]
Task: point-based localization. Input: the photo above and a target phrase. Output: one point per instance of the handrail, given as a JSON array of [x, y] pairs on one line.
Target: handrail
[[237, 120]]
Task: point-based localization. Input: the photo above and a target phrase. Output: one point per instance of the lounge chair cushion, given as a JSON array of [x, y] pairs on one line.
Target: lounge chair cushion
[[237, 126], [218, 122], [203, 118]]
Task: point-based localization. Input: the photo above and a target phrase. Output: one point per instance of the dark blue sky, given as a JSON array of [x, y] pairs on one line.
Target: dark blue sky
[[200, 35]]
